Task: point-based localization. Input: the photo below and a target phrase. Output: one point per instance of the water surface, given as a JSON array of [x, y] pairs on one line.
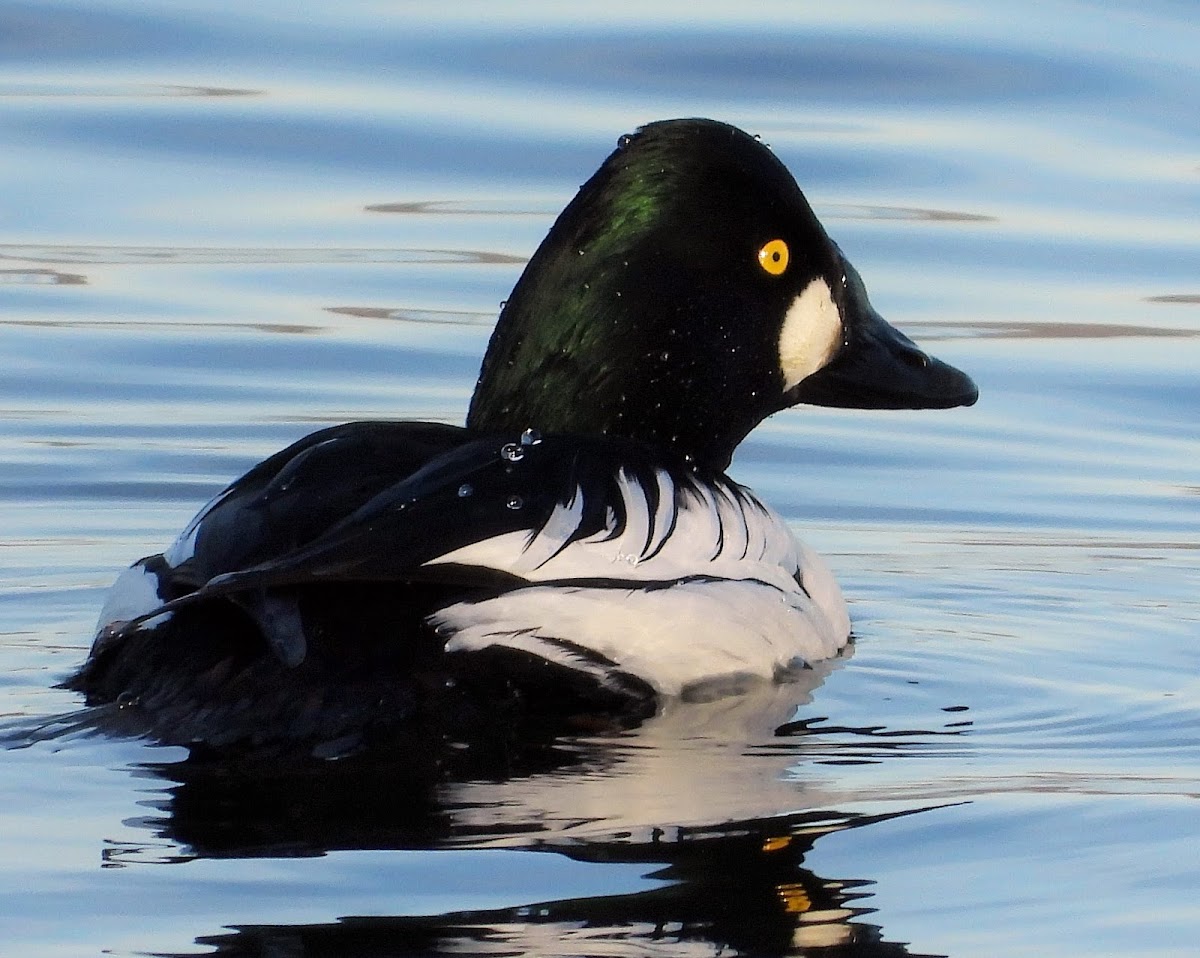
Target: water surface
[[225, 227]]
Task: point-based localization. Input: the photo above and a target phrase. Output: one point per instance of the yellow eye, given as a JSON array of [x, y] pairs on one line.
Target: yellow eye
[[773, 257]]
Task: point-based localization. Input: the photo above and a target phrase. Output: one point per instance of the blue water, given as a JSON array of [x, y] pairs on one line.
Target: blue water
[[224, 226]]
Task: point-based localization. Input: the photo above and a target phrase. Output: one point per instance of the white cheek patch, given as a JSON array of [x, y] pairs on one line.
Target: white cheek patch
[[812, 330]]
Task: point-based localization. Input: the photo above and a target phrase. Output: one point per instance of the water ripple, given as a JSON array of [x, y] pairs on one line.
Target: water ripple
[[144, 255], [103, 90]]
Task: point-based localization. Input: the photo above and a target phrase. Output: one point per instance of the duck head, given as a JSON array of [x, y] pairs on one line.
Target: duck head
[[684, 295]]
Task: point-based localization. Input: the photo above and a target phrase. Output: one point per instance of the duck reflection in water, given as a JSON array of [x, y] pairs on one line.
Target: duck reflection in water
[[720, 801]]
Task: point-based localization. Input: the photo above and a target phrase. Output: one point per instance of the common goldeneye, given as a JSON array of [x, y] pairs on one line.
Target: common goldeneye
[[577, 547]]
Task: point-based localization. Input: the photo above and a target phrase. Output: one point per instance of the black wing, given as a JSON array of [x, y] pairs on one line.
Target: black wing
[[374, 503], [293, 498], [361, 502]]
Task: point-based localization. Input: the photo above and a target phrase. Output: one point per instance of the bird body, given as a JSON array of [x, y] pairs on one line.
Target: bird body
[[577, 546]]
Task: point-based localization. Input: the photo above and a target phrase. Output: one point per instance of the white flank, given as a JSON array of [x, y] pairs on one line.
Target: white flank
[[133, 594], [823, 589], [718, 589], [812, 330], [689, 635]]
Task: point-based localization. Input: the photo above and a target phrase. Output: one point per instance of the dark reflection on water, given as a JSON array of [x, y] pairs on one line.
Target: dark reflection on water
[[435, 316], [715, 804], [710, 814], [1188, 298], [128, 255], [460, 208], [41, 277], [107, 90], [740, 891], [1015, 329], [852, 211]]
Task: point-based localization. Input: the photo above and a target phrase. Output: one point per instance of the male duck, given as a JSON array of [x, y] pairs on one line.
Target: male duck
[[577, 546]]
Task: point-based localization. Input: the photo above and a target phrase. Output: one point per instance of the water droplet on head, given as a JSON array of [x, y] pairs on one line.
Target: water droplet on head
[[465, 490], [512, 452], [530, 437], [515, 502], [665, 355], [624, 140], [126, 700], [503, 304]]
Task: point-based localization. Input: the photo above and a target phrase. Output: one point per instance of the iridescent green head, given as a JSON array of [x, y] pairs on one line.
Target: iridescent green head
[[686, 293]]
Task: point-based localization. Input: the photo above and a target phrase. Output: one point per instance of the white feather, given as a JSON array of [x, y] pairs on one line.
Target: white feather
[[817, 580], [717, 532], [810, 335], [133, 594], [735, 596], [677, 639], [542, 547]]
